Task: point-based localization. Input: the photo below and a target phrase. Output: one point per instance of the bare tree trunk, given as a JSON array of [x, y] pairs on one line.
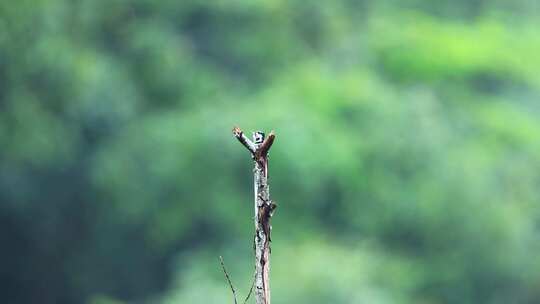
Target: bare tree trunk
[[264, 209]]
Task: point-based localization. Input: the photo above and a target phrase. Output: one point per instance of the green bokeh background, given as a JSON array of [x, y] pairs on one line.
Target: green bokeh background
[[406, 167]]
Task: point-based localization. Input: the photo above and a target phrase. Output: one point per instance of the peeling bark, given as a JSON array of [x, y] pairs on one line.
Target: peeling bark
[[264, 209]]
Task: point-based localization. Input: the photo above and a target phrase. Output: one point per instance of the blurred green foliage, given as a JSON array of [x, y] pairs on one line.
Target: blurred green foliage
[[406, 166]]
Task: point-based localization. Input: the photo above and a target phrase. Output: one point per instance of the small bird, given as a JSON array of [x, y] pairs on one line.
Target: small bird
[[258, 137]]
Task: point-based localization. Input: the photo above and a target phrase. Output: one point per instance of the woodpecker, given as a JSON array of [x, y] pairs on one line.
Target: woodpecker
[[258, 137]]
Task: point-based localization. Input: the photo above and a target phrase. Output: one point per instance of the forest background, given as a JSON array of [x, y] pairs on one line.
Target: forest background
[[406, 167]]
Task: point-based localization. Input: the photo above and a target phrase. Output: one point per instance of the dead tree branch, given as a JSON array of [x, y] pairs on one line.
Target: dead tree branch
[[228, 278], [262, 151], [244, 140], [264, 209]]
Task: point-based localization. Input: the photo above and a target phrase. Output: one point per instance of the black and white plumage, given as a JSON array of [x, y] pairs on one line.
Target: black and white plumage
[[258, 137]]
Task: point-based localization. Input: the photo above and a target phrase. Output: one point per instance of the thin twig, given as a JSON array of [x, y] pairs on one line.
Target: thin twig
[[228, 278], [251, 289]]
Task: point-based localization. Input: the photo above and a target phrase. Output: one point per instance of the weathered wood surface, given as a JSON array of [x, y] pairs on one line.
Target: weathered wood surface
[[264, 209]]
